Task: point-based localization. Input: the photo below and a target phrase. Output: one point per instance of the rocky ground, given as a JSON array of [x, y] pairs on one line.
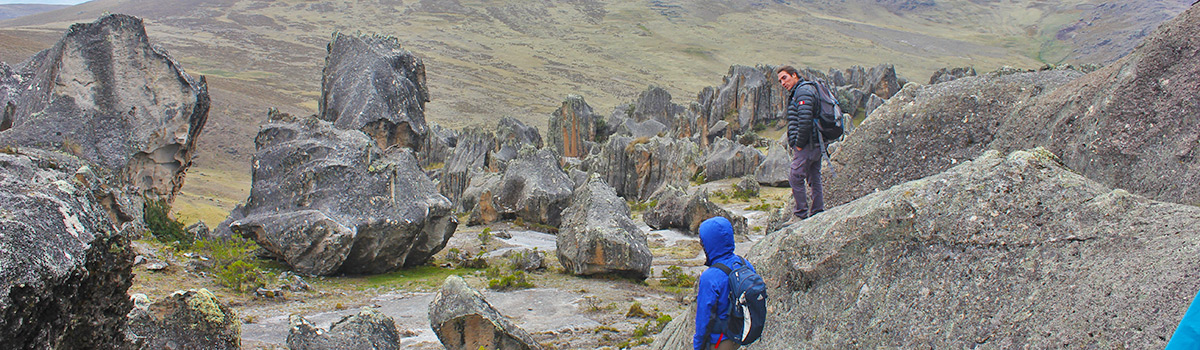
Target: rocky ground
[[562, 311]]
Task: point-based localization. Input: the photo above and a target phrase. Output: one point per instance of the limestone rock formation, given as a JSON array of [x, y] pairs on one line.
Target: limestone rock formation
[[775, 167], [598, 236], [371, 84], [1134, 124], [511, 136], [368, 329], [679, 209], [637, 168], [185, 320], [947, 74], [438, 146], [571, 125], [65, 268], [678, 333], [327, 201], [463, 320], [727, 159], [533, 188], [748, 96], [1034, 254], [925, 130], [105, 94], [470, 155]]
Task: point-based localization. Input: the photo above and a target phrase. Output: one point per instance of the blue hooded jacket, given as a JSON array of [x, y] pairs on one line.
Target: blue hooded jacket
[[716, 235], [1187, 335]]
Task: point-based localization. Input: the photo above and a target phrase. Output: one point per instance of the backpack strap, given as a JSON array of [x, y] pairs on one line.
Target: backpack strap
[[715, 327]]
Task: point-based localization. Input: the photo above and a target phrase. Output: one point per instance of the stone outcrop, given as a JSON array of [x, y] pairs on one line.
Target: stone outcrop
[[637, 168], [678, 333], [438, 146], [748, 96], [681, 210], [727, 159], [186, 320], [65, 267], [598, 236], [326, 201], [470, 155], [1034, 254], [775, 167], [106, 95], [533, 188], [463, 320], [371, 84], [1134, 124], [511, 136], [925, 130], [947, 74], [368, 329], [571, 126]]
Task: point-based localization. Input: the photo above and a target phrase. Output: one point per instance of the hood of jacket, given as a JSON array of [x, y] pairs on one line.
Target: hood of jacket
[[716, 235]]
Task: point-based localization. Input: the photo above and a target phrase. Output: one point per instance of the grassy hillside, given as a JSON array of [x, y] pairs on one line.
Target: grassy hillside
[[487, 59]]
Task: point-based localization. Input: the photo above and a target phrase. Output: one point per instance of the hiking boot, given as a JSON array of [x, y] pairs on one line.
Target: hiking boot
[[794, 219]]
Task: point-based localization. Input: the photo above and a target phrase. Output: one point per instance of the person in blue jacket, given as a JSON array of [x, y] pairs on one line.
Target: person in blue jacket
[[1187, 335], [712, 299]]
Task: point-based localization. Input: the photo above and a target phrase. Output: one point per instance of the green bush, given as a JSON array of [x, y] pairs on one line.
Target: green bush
[[234, 264], [508, 279], [674, 276], [164, 228]]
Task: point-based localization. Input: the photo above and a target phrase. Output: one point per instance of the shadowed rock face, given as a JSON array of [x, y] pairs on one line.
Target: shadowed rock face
[[728, 159], [776, 165], [369, 329], [637, 168], [463, 320], [1032, 253], [1134, 124], [64, 267], [470, 154], [371, 84], [326, 201], [532, 188], [685, 211], [597, 235], [572, 125], [194, 319], [103, 93]]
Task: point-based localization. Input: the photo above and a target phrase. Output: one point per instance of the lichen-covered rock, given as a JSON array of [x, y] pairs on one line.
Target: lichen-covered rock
[[191, 320], [533, 188], [678, 209], [599, 237], [106, 95], [463, 320], [438, 146], [571, 125], [368, 329], [636, 168], [371, 84], [64, 267], [678, 333], [511, 136], [948, 74], [1035, 254], [776, 166], [470, 155], [327, 201], [727, 159]]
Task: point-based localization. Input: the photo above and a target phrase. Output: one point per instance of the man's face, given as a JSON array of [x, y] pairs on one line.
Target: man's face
[[788, 80]]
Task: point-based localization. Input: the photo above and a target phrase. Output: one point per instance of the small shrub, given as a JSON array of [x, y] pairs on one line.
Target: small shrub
[[509, 279], [674, 276], [642, 206], [761, 207], [632, 144], [636, 310], [234, 263], [485, 236], [164, 228]]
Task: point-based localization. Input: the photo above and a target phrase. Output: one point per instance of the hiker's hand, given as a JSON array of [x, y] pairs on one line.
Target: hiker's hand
[[798, 149]]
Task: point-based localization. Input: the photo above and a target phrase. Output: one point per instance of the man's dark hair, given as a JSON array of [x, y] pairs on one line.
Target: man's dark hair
[[789, 69]]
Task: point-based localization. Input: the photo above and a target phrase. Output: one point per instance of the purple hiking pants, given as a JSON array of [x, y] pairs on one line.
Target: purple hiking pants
[[806, 167]]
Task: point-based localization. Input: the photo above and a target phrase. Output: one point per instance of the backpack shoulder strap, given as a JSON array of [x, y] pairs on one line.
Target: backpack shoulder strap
[[722, 267]]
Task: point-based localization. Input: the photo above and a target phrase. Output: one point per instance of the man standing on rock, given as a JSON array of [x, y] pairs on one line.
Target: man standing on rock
[[806, 153], [712, 299]]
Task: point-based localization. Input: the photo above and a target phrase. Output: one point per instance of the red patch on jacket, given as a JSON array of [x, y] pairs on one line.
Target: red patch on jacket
[[801, 102]]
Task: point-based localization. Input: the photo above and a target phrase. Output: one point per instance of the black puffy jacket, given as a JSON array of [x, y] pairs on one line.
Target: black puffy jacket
[[800, 111]]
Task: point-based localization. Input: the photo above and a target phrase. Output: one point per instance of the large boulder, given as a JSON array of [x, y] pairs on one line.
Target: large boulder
[[65, 268], [463, 320], [776, 166], [678, 209], [105, 94], [748, 96], [185, 320], [637, 168], [326, 201], [678, 333], [371, 84], [599, 237], [511, 136], [571, 126], [924, 130], [533, 188], [368, 329], [470, 155], [727, 159], [438, 146], [1134, 124], [1003, 251]]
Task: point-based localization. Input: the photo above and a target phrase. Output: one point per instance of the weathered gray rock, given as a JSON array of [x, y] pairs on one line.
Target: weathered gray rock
[[678, 209], [368, 329], [925, 130], [104, 94], [643, 129], [533, 188], [776, 166], [1033, 254], [727, 159], [511, 136], [191, 320], [572, 124], [637, 168], [371, 84], [481, 187], [65, 268], [463, 320], [438, 146], [1134, 124], [598, 236], [948, 74], [748, 96], [678, 333], [470, 155], [326, 201], [527, 260]]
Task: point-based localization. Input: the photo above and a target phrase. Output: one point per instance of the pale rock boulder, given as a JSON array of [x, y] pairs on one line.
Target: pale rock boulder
[[599, 237], [464, 320]]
